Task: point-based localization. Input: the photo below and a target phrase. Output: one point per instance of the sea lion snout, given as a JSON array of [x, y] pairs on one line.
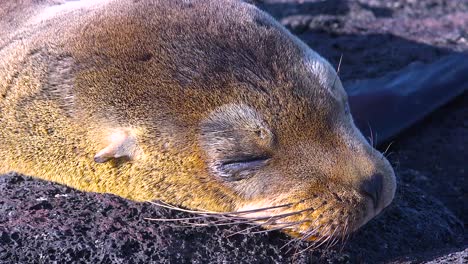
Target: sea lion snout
[[383, 184], [373, 189], [372, 176], [376, 182], [380, 190]]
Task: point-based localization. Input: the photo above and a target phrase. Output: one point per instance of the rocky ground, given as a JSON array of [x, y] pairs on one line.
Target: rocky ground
[[42, 222]]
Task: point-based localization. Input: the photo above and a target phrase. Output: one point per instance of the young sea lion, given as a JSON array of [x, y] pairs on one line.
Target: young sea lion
[[209, 105]]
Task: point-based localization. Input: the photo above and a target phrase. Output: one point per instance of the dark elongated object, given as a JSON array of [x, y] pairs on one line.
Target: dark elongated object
[[386, 106]]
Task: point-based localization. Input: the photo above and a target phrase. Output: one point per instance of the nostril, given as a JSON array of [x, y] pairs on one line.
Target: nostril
[[373, 188]]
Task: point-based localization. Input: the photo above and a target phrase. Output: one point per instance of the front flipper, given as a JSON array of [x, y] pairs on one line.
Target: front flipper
[[121, 143]]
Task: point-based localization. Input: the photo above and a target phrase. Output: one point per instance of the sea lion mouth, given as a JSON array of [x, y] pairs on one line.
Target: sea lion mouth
[[325, 219], [322, 220]]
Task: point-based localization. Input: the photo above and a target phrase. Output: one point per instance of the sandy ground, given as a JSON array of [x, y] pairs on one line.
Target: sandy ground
[[42, 222]]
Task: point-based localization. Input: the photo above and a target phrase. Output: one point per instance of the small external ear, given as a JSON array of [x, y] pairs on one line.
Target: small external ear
[[122, 143]]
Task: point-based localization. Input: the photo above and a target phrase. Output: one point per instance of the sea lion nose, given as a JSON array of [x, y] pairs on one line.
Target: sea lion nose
[[373, 188]]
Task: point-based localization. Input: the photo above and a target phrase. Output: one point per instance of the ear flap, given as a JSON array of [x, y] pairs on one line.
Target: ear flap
[[122, 143]]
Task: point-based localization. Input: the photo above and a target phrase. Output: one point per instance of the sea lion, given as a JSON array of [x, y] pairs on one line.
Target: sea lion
[[209, 105]]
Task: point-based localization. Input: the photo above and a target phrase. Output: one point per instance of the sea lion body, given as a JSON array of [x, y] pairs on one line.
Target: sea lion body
[[209, 105]]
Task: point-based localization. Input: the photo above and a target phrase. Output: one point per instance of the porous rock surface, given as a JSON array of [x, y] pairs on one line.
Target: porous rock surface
[[43, 222]]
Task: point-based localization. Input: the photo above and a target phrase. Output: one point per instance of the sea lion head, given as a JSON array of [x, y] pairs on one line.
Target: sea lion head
[[287, 142], [299, 163], [218, 107]]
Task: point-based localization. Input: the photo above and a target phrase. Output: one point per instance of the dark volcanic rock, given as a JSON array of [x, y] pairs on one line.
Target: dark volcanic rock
[[43, 222], [46, 222]]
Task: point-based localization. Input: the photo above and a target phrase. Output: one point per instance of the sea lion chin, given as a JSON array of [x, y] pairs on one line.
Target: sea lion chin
[[208, 105]]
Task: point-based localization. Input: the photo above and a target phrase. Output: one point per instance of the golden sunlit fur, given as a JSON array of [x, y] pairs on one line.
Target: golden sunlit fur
[[207, 105]]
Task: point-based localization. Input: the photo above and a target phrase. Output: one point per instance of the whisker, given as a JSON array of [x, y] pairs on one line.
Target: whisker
[[168, 206], [327, 238], [325, 234], [337, 70], [247, 222], [388, 155], [348, 234], [371, 138], [312, 232], [284, 215], [220, 219], [324, 237], [345, 233], [339, 64], [250, 228], [331, 239], [272, 218], [229, 218], [313, 246], [308, 234], [293, 240], [281, 227], [243, 231], [388, 147], [175, 219], [336, 240]]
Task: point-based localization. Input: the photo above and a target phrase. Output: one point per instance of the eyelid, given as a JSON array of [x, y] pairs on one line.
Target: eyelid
[[245, 160], [237, 169], [243, 165]]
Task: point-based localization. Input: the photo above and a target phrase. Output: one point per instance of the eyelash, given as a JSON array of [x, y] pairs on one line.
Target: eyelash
[[237, 169]]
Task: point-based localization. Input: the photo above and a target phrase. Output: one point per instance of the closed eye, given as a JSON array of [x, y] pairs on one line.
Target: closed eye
[[244, 163], [240, 167]]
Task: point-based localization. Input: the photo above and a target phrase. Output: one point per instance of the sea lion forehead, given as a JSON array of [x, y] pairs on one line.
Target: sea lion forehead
[[285, 56], [253, 44]]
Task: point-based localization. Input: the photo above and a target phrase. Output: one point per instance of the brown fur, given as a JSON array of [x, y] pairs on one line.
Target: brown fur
[[192, 82]]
